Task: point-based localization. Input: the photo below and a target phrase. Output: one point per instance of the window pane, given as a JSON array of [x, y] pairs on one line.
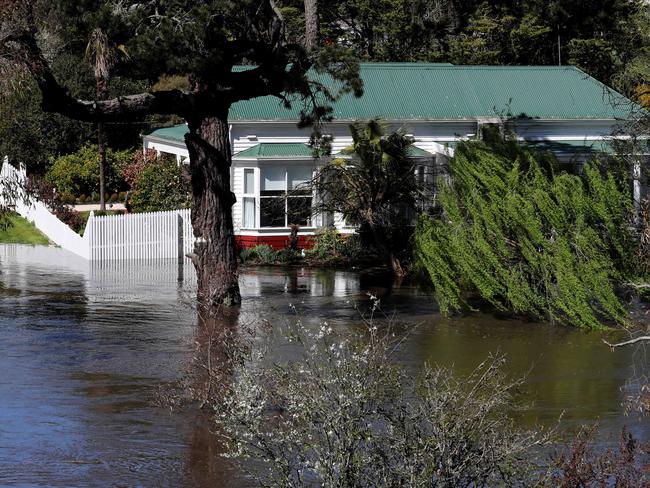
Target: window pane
[[272, 179], [299, 210], [298, 176], [272, 212], [249, 212], [249, 181]]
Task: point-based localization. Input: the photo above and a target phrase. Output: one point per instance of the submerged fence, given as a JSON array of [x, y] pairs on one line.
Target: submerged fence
[[152, 235]]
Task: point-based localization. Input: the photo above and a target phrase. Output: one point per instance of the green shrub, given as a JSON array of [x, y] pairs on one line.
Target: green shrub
[[113, 198], [78, 172], [121, 196], [82, 198], [286, 255], [326, 244], [329, 245], [351, 247], [247, 255], [162, 185], [67, 198], [528, 240], [265, 254], [94, 197]]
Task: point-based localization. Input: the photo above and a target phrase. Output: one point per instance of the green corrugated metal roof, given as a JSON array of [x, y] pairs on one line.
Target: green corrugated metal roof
[[422, 91], [275, 150], [175, 133], [427, 91], [417, 152], [414, 152]]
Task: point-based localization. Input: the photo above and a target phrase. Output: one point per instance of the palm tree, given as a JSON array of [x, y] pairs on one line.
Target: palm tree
[[373, 184], [102, 56]]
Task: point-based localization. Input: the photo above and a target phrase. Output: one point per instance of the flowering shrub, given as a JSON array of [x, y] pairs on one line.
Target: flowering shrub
[[343, 414], [157, 183], [133, 170]]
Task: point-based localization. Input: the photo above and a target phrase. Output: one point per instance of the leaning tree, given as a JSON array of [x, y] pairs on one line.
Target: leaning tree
[[207, 42]]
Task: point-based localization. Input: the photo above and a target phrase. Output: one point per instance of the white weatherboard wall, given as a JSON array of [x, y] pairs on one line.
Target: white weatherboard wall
[[143, 236]]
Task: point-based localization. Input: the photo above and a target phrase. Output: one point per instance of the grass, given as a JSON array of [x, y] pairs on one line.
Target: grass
[[21, 232]]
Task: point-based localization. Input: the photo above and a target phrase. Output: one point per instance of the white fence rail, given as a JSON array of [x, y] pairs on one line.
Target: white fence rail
[[143, 236]]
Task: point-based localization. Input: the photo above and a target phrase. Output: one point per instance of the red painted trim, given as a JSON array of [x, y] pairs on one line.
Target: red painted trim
[[276, 242]]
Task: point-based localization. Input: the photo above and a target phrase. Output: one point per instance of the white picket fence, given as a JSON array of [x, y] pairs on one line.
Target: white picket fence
[[143, 236]]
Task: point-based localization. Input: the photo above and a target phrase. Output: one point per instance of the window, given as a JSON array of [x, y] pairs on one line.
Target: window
[[249, 181], [284, 196], [299, 198], [248, 202], [249, 212]]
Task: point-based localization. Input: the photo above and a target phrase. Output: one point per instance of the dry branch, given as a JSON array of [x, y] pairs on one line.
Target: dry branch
[[627, 343]]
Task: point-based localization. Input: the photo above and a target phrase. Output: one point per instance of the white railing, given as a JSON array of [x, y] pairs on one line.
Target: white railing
[[142, 236], [13, 183]]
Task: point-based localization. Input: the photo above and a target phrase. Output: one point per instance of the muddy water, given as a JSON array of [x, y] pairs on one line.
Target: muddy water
[[83, 348]]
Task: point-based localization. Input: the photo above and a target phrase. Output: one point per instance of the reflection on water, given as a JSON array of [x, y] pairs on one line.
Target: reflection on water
[[83, 347]]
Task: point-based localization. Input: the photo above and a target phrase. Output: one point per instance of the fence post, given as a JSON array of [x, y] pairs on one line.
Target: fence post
[[179, 235]]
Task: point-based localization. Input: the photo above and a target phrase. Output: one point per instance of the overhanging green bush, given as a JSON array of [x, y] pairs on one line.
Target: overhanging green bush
[[78, 173], [527, 239]]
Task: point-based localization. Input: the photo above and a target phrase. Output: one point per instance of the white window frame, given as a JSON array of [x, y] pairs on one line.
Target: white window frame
[[286, 196], [255, 196]]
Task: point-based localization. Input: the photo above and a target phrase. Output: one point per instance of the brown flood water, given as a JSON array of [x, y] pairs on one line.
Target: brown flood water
[[82, 349]]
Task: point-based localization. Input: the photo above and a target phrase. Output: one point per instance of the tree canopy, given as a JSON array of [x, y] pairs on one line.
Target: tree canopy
[[529, 239], [609, 39]]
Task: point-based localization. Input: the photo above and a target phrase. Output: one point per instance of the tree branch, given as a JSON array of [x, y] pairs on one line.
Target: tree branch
[[55, 97], [638, 286], [627, 343]]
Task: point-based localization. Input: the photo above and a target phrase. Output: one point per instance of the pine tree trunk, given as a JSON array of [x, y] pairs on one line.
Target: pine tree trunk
[[102, 166], [215, 254]]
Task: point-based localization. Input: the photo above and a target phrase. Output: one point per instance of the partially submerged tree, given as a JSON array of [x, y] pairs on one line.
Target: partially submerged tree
[[527, 238], [373, 184], [204, 41]]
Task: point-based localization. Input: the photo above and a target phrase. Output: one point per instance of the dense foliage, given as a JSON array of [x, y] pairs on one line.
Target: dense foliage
[[528, 239], [29, 135], [159, 184], [609, 39], [77, 173], [372, 184]]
